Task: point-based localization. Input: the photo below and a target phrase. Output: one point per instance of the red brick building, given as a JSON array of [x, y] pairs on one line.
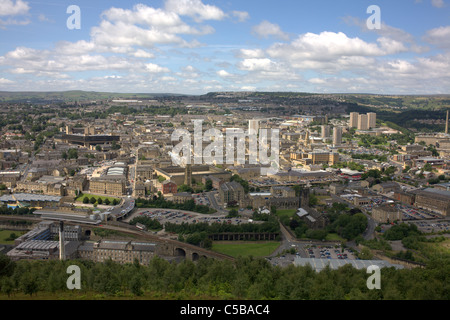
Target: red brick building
[[169, 186]]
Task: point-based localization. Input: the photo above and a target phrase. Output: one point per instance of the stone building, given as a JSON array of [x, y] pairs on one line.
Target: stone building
[[118, 251], [434, 200], [114, 186], [386, 214], [231, 192]]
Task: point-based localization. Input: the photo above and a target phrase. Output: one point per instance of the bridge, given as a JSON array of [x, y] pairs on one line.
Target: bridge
[[165, 247]]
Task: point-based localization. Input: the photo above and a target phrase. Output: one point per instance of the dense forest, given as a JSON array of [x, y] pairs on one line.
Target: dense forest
[[246, 278]]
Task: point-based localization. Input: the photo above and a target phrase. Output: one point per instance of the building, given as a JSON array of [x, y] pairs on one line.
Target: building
[[361, 201], [9, 178], [405, 197], [337, 136], [49, 185], [435, 200], [167, 187], [30, 200], [108, 185], [177, 174], [386, 187], [386, 214], [118, 251], [216, 182], [412, 147], [87, 140], [231, 192], [182, 197], [188, 175], [435, 162], [353, 120], [350, 174], [139, 189], [143, 172], [323, 157], [363, 123], [325, 132], [372, 120], [40, 243], [253, 127], [312, 218]]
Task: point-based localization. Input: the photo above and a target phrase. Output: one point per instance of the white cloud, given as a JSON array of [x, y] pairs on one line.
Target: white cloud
[[5, 81], [241, 15], [389, 32], [195, 9], [266, 29], [154, 68], [263, 64], [10, 9], [143, 54], [439, 37], [146, 27], [223, 74], [332, 52], [13, 8], [250, 53]]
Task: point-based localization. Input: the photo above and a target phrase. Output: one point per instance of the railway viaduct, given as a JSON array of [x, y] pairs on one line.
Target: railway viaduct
[[165, 247]]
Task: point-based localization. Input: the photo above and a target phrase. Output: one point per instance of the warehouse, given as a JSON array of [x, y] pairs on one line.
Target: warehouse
[[320, 264], [434, 200]]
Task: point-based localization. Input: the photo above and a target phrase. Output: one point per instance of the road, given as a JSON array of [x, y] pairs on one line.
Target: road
[[127, 202], [213, 201]]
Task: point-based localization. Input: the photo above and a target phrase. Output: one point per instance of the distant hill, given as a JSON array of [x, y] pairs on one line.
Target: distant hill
[[72, 96]]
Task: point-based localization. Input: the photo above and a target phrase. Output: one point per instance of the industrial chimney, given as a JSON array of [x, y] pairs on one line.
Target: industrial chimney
[[446, 124], [62, 249]]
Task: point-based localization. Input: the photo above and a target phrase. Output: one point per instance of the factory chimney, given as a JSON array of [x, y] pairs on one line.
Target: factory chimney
[[446, 124], [62, 249]]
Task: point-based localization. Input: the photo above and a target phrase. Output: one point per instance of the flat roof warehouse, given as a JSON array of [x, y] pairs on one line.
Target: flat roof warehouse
[[320, 264]]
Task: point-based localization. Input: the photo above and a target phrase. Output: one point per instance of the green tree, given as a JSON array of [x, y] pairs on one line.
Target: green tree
[[136, 286], [29, 284], [85, 200], [208, 185], [72, 154], [93, 200]]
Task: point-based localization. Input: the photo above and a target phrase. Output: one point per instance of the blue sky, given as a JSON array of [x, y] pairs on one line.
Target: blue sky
[[199, 46]]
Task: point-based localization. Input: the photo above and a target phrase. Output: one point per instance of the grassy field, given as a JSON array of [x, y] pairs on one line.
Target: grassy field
[[255, 249], [4, 235], [334, 237], [80, 198], [286, 212]]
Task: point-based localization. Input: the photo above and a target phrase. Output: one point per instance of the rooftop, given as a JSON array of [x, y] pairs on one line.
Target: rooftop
[[320, 264]]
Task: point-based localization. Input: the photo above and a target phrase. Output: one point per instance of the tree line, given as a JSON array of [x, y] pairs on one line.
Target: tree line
[[246, 278]]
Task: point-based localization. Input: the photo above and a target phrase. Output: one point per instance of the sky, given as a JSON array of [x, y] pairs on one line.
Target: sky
[[201, 46]]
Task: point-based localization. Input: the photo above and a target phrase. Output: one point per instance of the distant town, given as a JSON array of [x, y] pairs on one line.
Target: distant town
[[95, 180]]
